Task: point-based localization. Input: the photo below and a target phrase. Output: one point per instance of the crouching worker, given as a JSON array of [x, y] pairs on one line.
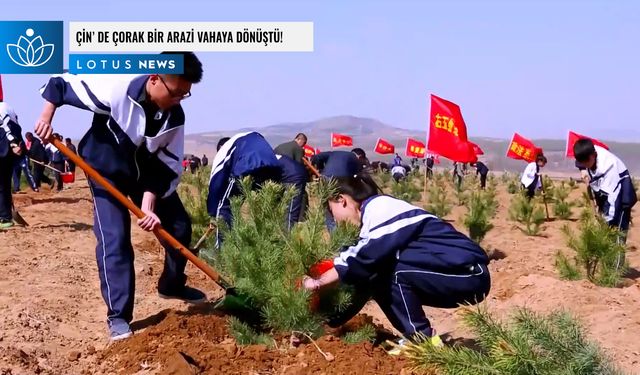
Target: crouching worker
[[531, 177], [611, 183], [406, 258], [249, 154]]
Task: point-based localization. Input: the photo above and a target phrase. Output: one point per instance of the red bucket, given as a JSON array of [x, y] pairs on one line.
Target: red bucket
[[68, 177]]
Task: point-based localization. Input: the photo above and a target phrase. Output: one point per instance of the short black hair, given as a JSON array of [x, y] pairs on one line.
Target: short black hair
[[541, 158], [192, 66], [301, 135], [359, 152], [221, 142], [583, 149], [68, 140], [360, 188]]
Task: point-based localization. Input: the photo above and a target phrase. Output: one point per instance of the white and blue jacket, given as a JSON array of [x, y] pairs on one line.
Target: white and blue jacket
[[394, 231], [9, 129], [611, 184], [116, 144], [242, 155]]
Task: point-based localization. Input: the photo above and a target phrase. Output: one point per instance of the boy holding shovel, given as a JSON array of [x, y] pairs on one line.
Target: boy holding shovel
[[136, 142]]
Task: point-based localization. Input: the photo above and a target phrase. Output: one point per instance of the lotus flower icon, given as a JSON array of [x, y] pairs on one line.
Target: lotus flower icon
[[29, 51]]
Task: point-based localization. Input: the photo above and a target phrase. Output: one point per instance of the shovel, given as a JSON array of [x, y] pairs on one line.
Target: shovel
[[234, 300], [544, 197], [17, 218]]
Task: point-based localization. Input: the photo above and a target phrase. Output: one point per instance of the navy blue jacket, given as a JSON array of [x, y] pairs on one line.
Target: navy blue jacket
[[394, 231], [242, 155]]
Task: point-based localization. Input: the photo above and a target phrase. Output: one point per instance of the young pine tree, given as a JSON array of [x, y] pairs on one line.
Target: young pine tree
[[597, 252], [528, 213], [265, 261], [531, 343], [562, 207], [406, 190], [438, 203], [477, 219]]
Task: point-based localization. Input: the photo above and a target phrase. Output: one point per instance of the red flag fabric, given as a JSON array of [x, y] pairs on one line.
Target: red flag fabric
[[415, 149], [384, 147], [448, 132], [521, 148], [573, 137], [309, 151], [1, 93], [338, 140], [317, 150], [477, 149]]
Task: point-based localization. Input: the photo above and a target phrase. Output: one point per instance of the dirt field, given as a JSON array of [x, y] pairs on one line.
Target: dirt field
[[52, 317]]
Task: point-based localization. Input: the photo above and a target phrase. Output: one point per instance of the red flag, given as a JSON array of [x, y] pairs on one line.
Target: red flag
[[436, 157], [1, 93], [573, 137], [383, 147], [521, 148], [309, 151], [338, 140], [415, 149], [476, 149], [448, 132]]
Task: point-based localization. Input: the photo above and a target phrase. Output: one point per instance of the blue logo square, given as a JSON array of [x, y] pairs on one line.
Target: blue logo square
[[31, 47]]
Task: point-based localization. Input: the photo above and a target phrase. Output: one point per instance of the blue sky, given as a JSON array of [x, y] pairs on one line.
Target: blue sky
[[536, 67]]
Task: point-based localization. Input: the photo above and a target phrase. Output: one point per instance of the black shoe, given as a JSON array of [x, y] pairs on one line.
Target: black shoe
[[186, 294]]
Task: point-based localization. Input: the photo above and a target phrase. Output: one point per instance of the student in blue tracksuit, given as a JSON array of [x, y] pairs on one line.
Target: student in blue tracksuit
[[611, 183], [406, 257], [345, 161], [249, 154], [136, 141]]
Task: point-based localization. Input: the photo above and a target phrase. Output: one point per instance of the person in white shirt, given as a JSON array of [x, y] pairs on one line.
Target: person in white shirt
[[398, 172], [531, 176], [610, 181]]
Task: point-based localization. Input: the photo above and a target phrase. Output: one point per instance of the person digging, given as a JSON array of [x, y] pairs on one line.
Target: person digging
[[135, 142]]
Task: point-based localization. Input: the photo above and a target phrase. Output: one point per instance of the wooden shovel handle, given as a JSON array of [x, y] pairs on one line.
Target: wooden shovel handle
[[313, 169], [160, 232]]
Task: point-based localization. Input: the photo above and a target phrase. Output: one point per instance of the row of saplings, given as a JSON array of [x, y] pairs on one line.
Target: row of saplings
[[265, 262]]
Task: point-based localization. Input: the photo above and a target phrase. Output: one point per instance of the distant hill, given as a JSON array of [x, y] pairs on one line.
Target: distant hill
[[365, 132]]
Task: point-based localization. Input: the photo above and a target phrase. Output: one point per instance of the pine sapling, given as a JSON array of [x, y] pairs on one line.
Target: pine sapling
[[598, 251], [438, 203], [528, 213], [477, 219], [265, 260], [513, 186], [562, 207], [406, 190], [529, 343]]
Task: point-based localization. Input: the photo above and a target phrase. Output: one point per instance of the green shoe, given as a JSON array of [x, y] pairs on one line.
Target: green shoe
[[6, 224]]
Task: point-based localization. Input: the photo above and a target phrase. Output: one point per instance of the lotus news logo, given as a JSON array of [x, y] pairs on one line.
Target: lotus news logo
[[30, 52], [32, 47]]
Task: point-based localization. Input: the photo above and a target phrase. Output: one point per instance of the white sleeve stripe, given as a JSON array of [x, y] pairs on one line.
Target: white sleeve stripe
[[397, 225], [221, 164], [81, 92], [353, 251]]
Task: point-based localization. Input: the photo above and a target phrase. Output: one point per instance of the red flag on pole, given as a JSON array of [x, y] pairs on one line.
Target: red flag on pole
[[338, 140], [1, 93], [521, 148], [309, 151], [573, 137], [448, 132], [415, 148], [476, 149], [383, 147]]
